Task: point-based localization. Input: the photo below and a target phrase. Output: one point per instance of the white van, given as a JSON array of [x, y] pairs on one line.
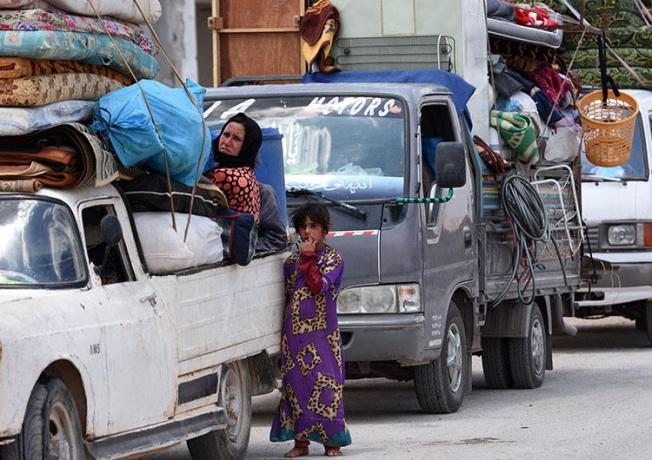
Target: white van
[[617, 209]]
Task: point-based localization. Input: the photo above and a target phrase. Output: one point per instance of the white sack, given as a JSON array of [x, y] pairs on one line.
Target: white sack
[[164, 249]]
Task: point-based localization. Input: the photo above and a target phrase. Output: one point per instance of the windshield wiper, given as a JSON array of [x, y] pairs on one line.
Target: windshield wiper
[[601, 178], [353, 210]]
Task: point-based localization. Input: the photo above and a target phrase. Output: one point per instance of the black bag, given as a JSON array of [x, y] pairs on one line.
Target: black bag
[[150, 192]]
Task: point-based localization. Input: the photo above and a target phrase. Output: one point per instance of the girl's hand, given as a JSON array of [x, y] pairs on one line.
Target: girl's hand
[[308, 245]]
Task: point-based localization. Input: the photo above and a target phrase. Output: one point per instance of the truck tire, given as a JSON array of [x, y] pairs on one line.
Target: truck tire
[[527, 355], [648, 321], [51, 428], [235, 397], [440, 384], [495, 362]]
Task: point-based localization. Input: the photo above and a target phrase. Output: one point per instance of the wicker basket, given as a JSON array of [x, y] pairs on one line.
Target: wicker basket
[[608, 129]]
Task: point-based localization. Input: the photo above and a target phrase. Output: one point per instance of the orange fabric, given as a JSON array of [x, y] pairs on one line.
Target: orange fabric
[[240, 187]]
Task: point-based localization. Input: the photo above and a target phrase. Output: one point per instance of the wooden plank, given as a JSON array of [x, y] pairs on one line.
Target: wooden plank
[[261, 30], [260, 54], [260, 13], [217, 52]]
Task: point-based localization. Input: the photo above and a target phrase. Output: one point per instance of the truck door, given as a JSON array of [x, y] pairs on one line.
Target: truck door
[[136, 334], [449, 244]]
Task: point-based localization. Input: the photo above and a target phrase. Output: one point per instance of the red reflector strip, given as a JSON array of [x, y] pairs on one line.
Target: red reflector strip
[[354, 233]]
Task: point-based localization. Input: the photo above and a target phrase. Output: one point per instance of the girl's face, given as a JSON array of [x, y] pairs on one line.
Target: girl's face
[[312, 231]]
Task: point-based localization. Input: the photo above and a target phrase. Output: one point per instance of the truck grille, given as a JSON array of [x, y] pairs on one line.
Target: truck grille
[[593, 234]]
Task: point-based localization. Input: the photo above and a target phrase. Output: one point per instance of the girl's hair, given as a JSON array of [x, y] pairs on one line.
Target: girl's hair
[[317, 212]]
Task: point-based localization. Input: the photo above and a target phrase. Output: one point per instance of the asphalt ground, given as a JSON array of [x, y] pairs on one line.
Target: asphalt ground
[[595, 404]]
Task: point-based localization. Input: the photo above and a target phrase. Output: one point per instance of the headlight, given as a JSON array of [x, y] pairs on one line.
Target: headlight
[[622, 235], [404, 298]]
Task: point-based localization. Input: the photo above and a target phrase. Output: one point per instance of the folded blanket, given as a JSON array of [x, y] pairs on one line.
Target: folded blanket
[[79, 46], [66, 155], [121, 9], [17, 121], [20, 186], [12, 67], [318, 30], [518, 132], [46, 89], [39, 19]]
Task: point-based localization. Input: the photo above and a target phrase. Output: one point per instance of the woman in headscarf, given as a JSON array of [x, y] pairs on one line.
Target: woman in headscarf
[[235, 151]]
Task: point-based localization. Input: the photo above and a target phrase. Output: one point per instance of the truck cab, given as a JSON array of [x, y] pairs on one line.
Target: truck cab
[[100, 357], [423, 258]]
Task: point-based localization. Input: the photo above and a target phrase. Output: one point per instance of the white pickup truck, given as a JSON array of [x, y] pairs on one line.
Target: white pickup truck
[[98, 358]]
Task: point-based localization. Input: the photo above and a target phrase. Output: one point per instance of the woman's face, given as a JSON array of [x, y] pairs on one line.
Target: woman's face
[[312, 231], [232, 138]]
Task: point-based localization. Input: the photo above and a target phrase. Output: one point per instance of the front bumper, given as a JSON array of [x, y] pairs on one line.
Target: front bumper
[[620, 284], [399, 337]]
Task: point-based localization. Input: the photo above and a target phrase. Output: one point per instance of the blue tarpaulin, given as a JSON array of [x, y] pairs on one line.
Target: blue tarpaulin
[[460, 89]]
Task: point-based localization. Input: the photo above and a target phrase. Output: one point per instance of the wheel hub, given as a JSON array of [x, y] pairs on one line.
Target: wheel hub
[[537, 345], [454, 357], [233, 402]]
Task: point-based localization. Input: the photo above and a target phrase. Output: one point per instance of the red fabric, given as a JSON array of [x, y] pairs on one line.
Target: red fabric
[[308, 265], [536, 17], [240, 187], [313, 22], [549, 80]]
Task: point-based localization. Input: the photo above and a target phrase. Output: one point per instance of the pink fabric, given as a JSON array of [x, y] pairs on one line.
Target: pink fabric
[[551, 83]]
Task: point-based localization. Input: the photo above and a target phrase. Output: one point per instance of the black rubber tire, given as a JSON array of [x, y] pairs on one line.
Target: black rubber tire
[[432, 384], [641, 324], [528, 372], [648, 321], [495, 363], [225, 444], [34, 441]]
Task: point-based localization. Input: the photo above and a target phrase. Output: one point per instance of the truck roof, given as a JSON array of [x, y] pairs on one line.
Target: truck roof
[[72, 197], [405, 90]]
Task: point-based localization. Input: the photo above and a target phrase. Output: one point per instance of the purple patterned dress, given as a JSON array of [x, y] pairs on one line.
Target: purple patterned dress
[[312, 403]]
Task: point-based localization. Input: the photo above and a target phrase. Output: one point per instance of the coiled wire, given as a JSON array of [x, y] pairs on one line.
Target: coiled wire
[[527, 217]]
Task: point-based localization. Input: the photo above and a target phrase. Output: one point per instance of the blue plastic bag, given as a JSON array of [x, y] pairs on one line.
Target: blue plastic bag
[[123, 118]]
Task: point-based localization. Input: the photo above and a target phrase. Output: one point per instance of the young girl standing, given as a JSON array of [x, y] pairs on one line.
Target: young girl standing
[[312, 403]]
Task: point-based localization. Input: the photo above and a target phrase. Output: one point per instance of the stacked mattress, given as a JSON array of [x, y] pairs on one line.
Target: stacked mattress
[[57, 58], [627, 34]]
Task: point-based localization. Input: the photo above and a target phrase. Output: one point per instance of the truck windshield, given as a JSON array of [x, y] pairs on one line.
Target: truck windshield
[[39, 245], [349, 148], [636, 168]]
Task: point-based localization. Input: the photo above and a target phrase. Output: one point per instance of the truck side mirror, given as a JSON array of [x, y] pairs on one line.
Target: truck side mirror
[[451, 165], [111, 230]]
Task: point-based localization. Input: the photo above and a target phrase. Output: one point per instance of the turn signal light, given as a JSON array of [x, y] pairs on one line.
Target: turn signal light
[[647, 234]]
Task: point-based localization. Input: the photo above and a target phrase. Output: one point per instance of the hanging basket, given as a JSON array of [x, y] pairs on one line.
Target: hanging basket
[[608, 128]]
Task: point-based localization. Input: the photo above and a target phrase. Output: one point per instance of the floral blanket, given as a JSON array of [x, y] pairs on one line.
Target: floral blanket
[[40, 19], [79, 46], [12, 67], [46, 89], [121, 9]]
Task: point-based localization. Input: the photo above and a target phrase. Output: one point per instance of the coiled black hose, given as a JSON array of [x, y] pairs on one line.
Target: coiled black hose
[[527, 215]]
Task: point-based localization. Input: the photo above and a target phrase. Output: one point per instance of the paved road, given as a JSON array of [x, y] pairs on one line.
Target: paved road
[[596, 404]]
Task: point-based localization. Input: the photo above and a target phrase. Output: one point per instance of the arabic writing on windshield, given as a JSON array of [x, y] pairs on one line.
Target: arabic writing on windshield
[[346, 147]]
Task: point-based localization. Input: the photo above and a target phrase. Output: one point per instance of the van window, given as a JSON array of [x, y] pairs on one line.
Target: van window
[[116, 268], [39, 245], [636, 168], [435, 127]]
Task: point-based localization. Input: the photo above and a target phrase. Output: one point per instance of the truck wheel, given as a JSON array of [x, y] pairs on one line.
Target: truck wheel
[[440, 384], [51, 428], [495, 362], [527, 355], [648, 320], [235, 397]]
